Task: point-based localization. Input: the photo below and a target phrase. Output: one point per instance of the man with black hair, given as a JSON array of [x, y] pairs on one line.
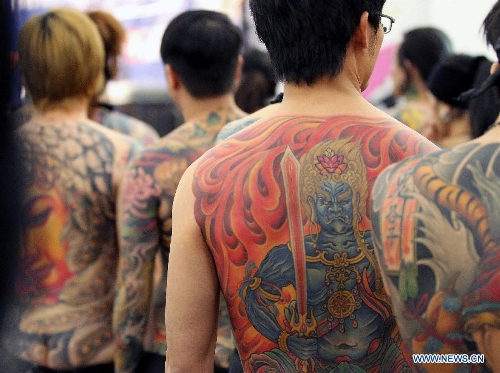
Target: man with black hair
[[258, 83], [276, 216], [436, 232], [201, 53]]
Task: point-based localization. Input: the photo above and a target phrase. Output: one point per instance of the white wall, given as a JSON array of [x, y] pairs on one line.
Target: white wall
[[461, 20]]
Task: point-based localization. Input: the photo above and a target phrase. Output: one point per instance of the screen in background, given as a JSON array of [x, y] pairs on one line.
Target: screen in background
[[141, 68]]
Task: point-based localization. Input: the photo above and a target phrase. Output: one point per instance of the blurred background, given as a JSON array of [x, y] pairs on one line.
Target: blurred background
[[140, 89]]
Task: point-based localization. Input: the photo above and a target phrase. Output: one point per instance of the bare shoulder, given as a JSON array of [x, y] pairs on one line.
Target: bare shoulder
[[433, 219], [184, 192], [120, 139], [237, 125], [184, 223], [124, 146]]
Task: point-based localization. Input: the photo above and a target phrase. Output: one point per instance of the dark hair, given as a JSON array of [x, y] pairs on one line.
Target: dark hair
[[451, 76], [458, 73], [113, 36], [491, 27], [424, 47], [484, 97], [308, 39], [484, 108], [202, 47], [258, 81]]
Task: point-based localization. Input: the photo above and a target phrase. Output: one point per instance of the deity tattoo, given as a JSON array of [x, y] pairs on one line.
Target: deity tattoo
[[289, 230], [65, 288]]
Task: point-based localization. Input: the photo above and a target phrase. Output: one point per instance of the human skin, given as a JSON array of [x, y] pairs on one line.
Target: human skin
[[434, 220], [239, 203], [61, 315], [126, 124], [145, 225]]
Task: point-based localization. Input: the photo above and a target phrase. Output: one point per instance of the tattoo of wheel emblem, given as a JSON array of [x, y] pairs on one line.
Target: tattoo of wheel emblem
[[341, 304]]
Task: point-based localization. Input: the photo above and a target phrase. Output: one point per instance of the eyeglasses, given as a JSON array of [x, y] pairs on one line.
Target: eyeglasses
[[387, 22]]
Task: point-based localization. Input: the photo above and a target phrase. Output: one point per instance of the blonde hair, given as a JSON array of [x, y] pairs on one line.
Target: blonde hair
[[61, 57]]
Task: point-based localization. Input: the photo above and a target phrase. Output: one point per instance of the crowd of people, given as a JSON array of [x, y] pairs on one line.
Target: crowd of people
[[295, 230]]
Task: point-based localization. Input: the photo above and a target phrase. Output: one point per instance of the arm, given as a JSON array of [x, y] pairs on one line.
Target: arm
[[138, 241], [126, 149], [192, 290]]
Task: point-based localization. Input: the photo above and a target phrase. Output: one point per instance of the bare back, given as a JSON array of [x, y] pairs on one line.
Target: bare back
[[61, 317], [439, 251], [283, 206]]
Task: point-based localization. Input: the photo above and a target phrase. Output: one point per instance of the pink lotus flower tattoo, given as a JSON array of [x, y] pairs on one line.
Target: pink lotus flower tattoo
[[331, 162]]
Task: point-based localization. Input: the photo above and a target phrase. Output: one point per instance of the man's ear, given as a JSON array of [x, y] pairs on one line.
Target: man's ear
[[494, 67], [173, 81], [361, 35]]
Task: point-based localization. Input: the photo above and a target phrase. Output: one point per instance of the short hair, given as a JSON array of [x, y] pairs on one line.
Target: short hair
[[488, 103], [308, 39], [113, 35], [258, 81], [202, 47], [61, 56], [451, 76], [424, 47], [491, 27], [484, 96]]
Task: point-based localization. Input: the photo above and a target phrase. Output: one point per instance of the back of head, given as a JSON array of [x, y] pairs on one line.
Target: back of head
[[308, 39], [258, 81], [255, 60], [202, 47], [484, 108], [424, 47], [484, 97], [459, 73], [451, 76], [491, 27], [61, 57], [113, 36]]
